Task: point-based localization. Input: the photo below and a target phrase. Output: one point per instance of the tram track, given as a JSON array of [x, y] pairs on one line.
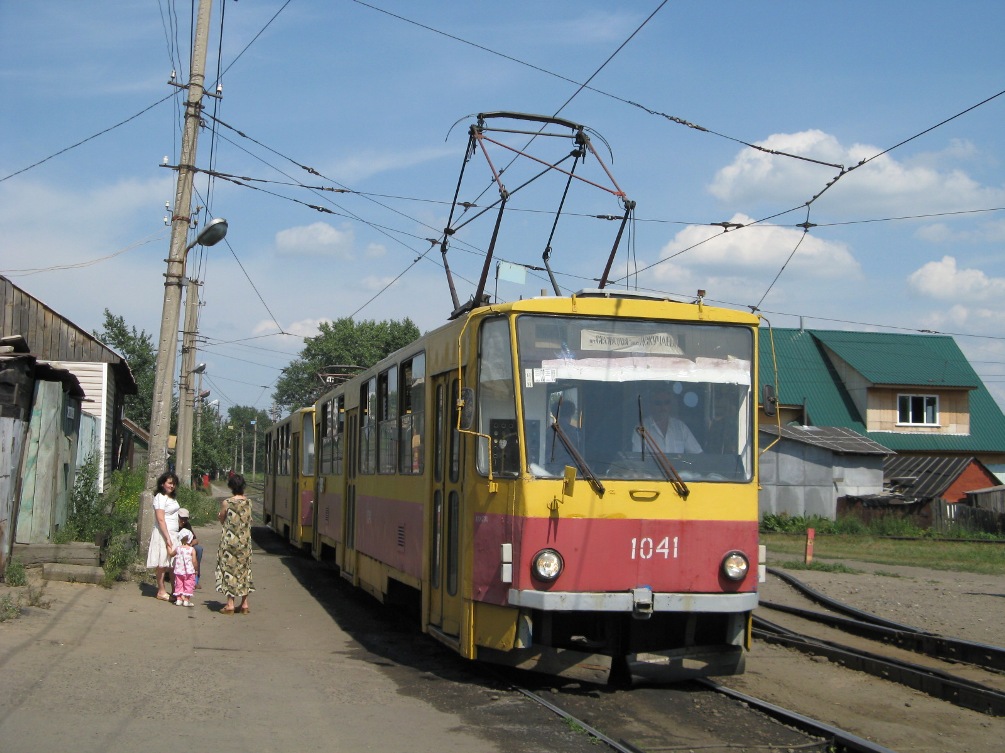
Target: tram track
[[963, 673], [731, 719]]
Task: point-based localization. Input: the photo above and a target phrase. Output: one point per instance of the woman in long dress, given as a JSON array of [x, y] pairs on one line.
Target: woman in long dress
[[164, 536], [233, 563]]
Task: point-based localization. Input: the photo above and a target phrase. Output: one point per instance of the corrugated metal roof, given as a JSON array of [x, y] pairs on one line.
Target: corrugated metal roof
[[925, 477], [893, 359], [834, 438], [807, 377]]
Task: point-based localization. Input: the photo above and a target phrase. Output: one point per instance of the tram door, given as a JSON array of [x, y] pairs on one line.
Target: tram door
[[445, 511], [292, 533], [348, 563]]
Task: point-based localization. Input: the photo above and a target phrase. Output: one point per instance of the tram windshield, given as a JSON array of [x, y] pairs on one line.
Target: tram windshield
[[630, 396]]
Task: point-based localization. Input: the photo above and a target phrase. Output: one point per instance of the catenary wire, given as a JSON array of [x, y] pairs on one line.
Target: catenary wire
[[89, 138]]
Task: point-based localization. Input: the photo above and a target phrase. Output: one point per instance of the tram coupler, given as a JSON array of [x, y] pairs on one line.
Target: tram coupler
[[642, 603]]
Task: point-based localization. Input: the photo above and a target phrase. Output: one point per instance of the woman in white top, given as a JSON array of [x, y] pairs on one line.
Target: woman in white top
[[164, 536]]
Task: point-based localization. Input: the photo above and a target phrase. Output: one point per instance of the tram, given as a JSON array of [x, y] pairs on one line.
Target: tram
[[565, 483], [444, 470], [288, 499]]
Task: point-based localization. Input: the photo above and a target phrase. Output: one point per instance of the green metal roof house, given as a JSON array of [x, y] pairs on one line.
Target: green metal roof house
[[914, 394]]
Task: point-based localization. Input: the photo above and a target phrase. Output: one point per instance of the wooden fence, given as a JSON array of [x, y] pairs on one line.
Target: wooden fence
[[985, 514], [963, 517]]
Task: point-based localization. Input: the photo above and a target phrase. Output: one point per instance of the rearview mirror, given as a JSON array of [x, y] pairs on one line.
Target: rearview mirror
[[769, 401], [466, 405]]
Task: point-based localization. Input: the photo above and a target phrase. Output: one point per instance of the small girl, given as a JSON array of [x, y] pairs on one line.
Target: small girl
[[183, 522], [184, 569]]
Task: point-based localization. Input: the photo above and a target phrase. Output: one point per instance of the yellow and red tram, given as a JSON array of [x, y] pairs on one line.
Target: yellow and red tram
[[288, 500], [575, 546]]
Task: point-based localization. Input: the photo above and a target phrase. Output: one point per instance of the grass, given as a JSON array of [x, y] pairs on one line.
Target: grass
[[29, 595], [15, 574], [9, 608], [824, 567], [964, 556]]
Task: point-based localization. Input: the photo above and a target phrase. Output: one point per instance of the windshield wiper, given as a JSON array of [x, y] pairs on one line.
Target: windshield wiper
[[661, 459], [580, 461]]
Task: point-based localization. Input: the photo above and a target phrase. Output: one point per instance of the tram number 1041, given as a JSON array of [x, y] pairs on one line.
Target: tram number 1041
[[647, 548]]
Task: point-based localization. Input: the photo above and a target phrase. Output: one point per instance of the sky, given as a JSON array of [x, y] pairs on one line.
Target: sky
[[875, 201]]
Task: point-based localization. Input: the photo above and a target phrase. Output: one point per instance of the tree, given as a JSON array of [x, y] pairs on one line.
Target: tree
[[141, 355], [239, 440], [339, 343], [212, 447]]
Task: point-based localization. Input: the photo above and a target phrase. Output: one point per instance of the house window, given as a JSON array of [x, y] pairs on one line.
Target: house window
[[918, 409]]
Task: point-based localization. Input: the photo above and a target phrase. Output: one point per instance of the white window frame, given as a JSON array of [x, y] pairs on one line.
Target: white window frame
[[912, 396]]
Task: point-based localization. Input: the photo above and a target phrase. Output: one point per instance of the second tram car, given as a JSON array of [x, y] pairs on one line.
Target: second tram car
[[289, 478], [512, 470]]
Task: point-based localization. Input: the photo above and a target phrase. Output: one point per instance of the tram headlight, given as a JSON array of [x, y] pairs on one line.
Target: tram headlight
[[547, 565], [735, 565]]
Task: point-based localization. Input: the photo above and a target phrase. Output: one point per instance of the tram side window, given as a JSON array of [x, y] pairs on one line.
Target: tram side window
[[338, 434], [307, 449], [497, 400], [368, 427], [269, 469], [387, 417], [285, 434], [325, 438], [439, 437], [412, 393]]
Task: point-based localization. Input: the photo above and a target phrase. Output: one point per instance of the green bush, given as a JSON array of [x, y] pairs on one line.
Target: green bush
[[110, 517], [9, 609], [202, 508], [85, 518], [784, 523], [15, 574], [119, 554]]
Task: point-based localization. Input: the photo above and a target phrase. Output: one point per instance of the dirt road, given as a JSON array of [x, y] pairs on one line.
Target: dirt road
[[109, 670]]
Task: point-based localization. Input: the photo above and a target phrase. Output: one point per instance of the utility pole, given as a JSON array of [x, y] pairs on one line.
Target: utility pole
[[183, 442], [160, 414], [254, 448]]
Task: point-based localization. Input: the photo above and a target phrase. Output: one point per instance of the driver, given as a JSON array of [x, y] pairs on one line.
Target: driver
[[669, 432]]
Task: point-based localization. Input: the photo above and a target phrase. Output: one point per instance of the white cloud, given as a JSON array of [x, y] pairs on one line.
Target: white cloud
[[375, 251], [760, 247], [942, 233], [740, 266], [943, 280], [882, 185], [318, 239], [300, 328], [373, 282], [364, 164]]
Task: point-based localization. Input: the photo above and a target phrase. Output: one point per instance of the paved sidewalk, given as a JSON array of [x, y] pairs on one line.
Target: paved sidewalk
[[313, 667]]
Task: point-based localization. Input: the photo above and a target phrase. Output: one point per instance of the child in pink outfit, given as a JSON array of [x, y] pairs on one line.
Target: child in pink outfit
[[184, 569]]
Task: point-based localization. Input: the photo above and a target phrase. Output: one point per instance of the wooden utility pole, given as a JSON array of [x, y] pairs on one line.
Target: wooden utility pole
[[160, 414]]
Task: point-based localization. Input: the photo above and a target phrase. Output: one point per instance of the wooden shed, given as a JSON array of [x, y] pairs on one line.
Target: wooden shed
[[39, 420], [102, 373], [49, 463]]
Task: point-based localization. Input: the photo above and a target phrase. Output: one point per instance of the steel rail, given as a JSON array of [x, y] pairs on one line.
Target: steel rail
[[592, 731], [849, 743], [906, 636], [845, 741], [933, 682], [920, 642]]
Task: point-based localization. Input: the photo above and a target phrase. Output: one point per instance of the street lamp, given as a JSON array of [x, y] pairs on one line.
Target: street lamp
[[160, 413]]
